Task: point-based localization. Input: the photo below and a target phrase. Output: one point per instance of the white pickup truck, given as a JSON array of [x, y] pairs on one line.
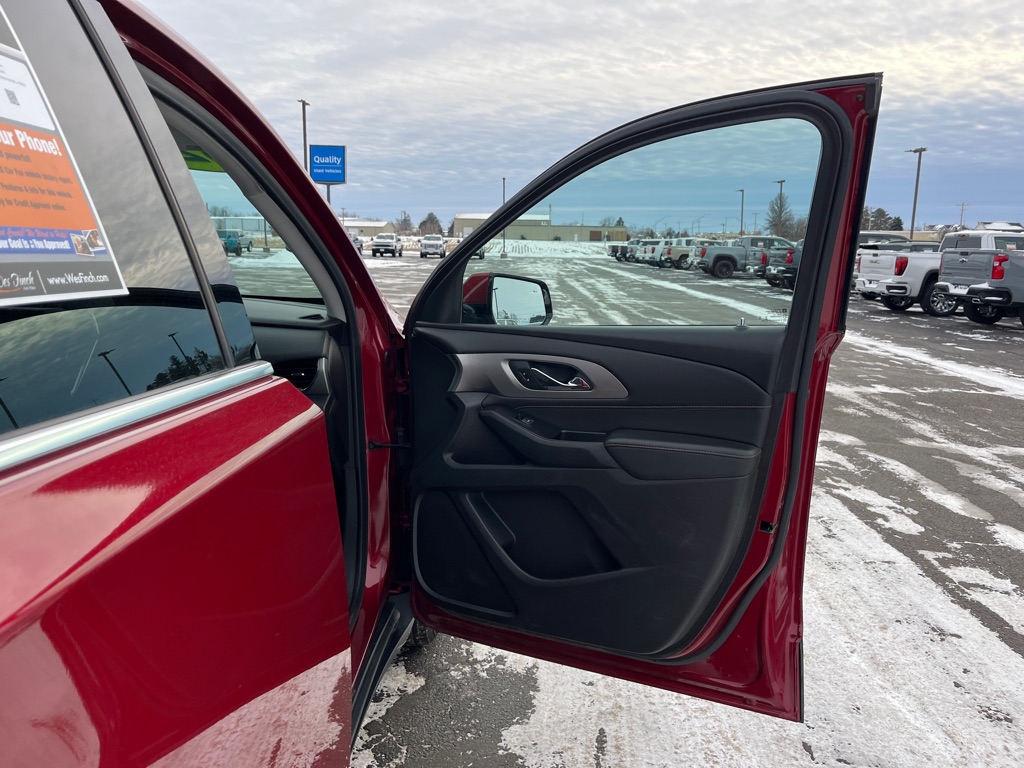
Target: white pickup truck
[[901, 273], [386, 242]]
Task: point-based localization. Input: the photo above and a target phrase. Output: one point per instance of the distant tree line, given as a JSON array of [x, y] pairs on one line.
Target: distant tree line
[[879, 220]]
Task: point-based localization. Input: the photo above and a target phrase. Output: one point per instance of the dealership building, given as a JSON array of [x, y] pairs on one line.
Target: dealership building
[[365, 227]]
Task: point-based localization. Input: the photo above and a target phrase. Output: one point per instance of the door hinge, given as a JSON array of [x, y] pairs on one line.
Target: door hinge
[[399, 433], [377, 446]]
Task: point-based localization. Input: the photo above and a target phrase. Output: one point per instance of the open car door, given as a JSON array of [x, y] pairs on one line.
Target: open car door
[[612, 463]]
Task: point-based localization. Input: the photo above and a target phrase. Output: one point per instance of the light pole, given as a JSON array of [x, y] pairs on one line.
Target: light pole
[[504, 253], [743, 199], [655, 227], [917, 183], [8, 410], [106, 357], [699, 219], [184, 358], [305, 145], [780, 182]]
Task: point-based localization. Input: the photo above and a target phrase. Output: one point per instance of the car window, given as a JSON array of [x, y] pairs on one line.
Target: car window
[[1011, 242], [954, 241], [261, 260], [676, 182], [87, 336]]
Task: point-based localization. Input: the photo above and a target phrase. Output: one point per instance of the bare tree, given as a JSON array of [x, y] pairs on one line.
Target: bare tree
[[403, 224], [779, 220]]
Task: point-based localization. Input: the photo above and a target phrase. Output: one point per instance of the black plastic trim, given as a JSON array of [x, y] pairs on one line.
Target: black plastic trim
[[393, 627]]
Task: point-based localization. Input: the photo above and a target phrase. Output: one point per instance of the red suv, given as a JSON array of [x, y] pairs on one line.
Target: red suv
[[222, 507]]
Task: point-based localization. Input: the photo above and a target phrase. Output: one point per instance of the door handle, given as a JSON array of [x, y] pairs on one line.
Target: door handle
[[532, 375], [576, 382]]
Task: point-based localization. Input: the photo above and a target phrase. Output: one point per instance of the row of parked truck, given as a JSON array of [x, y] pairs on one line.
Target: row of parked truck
[[979, 270], [773, 258]]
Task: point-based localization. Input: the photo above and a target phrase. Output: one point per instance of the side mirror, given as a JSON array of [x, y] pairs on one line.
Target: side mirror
[[494, 299]]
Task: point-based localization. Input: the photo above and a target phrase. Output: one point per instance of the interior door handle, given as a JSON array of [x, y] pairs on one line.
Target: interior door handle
[[576, 382]]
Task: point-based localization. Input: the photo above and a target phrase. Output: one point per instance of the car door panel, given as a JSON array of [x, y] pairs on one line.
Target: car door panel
[[655, 533], [179, 578], [536, 484]]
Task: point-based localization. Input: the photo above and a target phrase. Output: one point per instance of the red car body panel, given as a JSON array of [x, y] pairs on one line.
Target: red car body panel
[[159, 49], [150, 652]]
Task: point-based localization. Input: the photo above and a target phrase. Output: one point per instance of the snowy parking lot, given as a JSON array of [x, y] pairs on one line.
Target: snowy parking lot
[[914, 591]]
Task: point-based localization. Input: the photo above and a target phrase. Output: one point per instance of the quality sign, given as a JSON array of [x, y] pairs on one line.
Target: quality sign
[[327, 164]]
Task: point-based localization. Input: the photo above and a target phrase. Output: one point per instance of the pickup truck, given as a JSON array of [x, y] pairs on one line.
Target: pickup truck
[[644, 251], [983, 239], [747, 254], [901, 274], [386, 242], [783, 265], [669, 252], [234, 241], [989, 282], [630, 253], [618, 250], [678, 250], [432, 245]]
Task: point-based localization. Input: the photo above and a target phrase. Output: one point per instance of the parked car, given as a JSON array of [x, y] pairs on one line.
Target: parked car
[[433, 245], [357, 241], [982, 239], [232, 241], [783, 265], [386, 243], [989, 283], [630, 253], [746, 254], [647, 250], [683, 249], [902, 273], [222, 510]]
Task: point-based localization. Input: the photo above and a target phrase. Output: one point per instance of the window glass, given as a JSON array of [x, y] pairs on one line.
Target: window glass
[[61, 356], [1013, 243], [726, 184], [261, 261], [968, 241]]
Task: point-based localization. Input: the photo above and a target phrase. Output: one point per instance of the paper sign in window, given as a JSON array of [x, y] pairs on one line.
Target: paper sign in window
[[52, 244]]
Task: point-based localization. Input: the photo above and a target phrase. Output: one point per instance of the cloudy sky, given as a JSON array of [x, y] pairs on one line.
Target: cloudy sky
[[437, 101]]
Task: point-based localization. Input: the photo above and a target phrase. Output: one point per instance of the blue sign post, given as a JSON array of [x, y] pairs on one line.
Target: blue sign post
[[327, 164]]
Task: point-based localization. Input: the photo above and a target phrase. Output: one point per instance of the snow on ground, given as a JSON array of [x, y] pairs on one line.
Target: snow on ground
[[878, 632], [1006, 382], [396, 684]]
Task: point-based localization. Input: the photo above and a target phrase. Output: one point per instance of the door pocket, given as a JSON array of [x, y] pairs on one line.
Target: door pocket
[[667, 456]]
